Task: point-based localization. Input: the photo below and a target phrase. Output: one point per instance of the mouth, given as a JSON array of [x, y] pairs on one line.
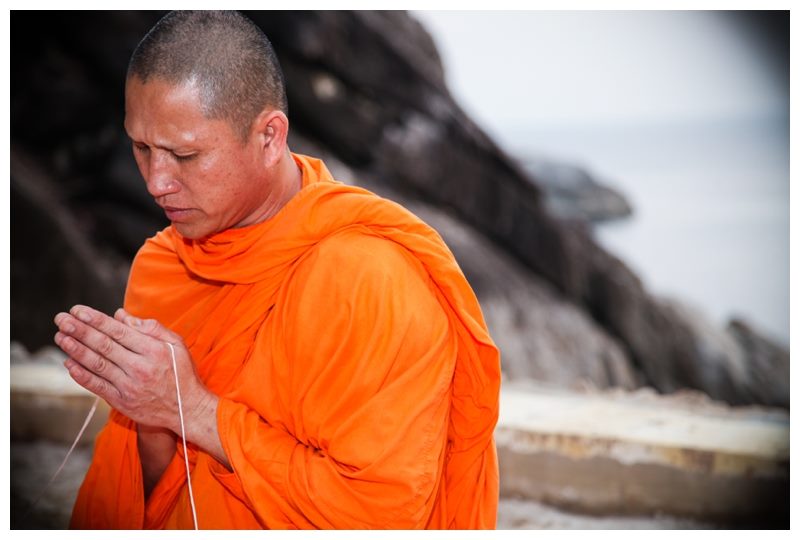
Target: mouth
[[176, 214]]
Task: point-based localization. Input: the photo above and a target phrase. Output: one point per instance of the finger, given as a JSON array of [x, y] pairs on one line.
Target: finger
[[117, 331], [89, 359], [151, 327], [97, 341], [94, 384]]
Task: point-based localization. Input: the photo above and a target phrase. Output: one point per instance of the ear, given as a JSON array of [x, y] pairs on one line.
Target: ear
[[271, 129]]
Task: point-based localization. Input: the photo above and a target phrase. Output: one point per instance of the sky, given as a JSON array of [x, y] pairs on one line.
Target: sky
[[559, 68]]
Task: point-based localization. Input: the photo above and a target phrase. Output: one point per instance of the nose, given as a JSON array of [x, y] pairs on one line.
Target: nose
[[162, 178]]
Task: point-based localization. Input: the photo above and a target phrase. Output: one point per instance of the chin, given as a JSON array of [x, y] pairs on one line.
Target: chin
[[189, 232]]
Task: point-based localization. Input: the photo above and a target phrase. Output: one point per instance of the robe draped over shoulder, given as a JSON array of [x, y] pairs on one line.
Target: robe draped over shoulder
[[358, 383]]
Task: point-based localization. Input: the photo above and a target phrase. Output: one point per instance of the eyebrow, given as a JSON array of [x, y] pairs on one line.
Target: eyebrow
[[159, 146]]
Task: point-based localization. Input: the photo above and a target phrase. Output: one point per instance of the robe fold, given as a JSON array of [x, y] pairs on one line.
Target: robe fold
[[358, 383]]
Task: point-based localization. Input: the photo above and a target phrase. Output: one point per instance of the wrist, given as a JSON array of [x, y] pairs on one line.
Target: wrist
[[204, 410], [148, 431], [200, 423], [199, 415]]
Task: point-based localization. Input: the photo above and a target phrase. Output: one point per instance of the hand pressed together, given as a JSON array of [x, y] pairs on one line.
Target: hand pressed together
[[126, 361]]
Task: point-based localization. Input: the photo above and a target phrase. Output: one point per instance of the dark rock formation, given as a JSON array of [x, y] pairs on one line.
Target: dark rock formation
[[53, 264], [767, 365], [367, 87], [572, 193]]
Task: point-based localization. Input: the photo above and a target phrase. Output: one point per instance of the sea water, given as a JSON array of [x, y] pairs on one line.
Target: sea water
[[711, 208]]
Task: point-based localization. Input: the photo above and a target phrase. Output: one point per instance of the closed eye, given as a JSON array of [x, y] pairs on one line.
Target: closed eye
[[184, 157], [141, 147]]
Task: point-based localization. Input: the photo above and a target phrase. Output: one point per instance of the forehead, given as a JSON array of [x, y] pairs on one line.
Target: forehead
[[161, 112]]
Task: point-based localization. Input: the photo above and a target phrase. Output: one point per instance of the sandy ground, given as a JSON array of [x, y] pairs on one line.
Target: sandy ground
[[32, 464]]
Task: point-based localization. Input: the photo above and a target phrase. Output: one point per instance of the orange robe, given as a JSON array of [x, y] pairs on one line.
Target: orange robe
[[358, 383]]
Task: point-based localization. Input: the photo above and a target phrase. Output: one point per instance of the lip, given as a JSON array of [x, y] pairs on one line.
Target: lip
[[176, 214]]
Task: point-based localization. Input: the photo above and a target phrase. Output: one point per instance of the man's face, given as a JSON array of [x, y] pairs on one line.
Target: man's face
[[197, 169]]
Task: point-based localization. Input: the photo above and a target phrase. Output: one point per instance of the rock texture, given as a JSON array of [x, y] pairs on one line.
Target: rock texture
[[763, 360], [367, 87], [53, 263], [571, 193]]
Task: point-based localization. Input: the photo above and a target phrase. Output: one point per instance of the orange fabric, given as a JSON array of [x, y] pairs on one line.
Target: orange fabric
[[358, 383]]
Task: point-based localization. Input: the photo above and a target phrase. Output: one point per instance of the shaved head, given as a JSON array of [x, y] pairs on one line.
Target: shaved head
[[224, 54]]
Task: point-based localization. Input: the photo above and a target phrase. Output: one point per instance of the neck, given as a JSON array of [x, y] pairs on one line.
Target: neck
[[288, 179]]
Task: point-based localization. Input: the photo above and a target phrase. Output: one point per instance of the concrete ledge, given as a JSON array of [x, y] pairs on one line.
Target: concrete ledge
[[606, 454], [46, 404]]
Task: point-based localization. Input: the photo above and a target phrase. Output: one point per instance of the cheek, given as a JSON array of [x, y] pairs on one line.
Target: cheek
[[218, 179], [221, 177], [211, 185]]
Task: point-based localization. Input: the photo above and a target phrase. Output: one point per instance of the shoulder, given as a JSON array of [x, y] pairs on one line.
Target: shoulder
[[356, 258], [359, 299], [360, 277]]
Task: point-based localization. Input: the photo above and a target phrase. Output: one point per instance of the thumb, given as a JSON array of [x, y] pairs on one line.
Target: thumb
[[150, 327]]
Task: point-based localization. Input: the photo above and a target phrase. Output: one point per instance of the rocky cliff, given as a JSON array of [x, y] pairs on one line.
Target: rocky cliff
[[367, 92]]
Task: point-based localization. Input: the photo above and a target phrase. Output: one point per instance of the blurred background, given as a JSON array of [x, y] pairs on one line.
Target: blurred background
[[686, 114], [613, 184]]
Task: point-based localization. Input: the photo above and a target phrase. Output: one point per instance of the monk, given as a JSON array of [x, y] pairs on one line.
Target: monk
[[333, 366]]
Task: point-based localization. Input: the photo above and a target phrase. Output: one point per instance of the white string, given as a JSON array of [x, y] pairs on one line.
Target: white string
[[183, 435], [69, 453]]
